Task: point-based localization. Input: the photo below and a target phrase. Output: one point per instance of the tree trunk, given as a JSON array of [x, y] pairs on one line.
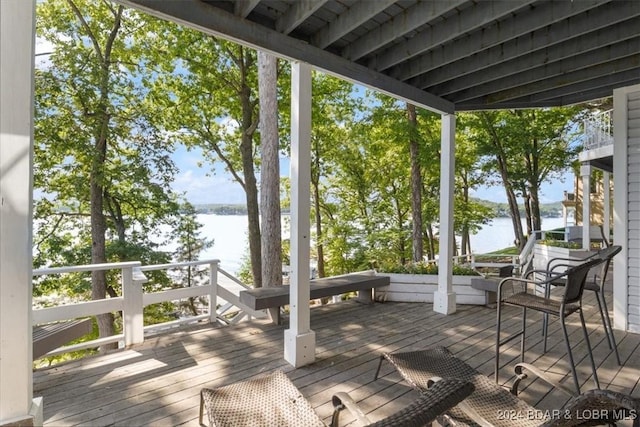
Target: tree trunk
[[536, 222], [98, 244], [465, 240], [527, 211], [98, 230], [250, 183], [318, 224], [431, 242], [508, 187], [99, 283], [270, 175], [416, 186], [515, 216]]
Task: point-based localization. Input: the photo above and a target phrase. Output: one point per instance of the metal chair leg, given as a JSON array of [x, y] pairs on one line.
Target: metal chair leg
[[378, 370], [604, 324], [607, 324], [545, 322], [586, 339], [524, 328], [497, 359], [569, 353]]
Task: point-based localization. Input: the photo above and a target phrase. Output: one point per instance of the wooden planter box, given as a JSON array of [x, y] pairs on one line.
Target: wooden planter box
[[420, 288]]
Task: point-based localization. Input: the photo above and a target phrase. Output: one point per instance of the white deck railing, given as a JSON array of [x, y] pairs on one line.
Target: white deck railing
[[134, 299], [598, 130]]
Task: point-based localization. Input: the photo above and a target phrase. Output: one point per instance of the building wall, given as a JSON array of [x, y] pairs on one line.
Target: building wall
[[633, 241], [627, 206], [596, 197]]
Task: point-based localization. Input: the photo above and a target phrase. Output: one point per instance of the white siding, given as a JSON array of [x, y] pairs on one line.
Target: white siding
[[627, 271], [633, 150]]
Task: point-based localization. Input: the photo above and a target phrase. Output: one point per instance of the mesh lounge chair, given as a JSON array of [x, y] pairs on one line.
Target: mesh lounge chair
[[273, 400], [493, 405]]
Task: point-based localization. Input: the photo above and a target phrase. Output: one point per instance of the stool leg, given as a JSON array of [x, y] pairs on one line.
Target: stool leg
[[604, 322], [497, 361], [569, 353], [607, 324], [586, 339], [545, 321], [524, 327]]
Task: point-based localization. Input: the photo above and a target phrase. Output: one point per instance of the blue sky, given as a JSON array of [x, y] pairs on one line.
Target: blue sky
[[201, 185]]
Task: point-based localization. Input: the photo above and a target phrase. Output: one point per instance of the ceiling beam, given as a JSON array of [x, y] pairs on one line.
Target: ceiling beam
[[470, 57], [243, 8], [527, 101], [215, 21], [520, 72], [296, 14], [468, 20], [537, 18], [360, 13], [400, 25], [629, 63], [605, 80]]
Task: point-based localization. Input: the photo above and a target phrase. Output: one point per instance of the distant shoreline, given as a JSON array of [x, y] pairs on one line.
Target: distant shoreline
[[548, 210]]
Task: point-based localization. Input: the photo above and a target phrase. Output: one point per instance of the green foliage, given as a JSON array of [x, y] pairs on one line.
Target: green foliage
[[559, 243], [424, 268], [48, 361], [91, 94]]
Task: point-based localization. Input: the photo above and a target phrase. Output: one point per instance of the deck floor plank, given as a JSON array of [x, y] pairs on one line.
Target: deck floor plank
[[158, 382]]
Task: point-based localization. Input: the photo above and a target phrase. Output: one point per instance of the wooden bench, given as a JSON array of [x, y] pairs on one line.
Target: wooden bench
[[53, 335], [262, 298]]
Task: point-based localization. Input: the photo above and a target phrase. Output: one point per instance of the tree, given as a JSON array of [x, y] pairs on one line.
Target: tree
[[416, 185], [210, 86], [333, 109], [101, 162], [190, 245], [469, 215], [529, 148]]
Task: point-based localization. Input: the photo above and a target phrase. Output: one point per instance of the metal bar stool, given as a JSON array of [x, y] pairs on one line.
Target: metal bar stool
[[597, 285], [571, 302]]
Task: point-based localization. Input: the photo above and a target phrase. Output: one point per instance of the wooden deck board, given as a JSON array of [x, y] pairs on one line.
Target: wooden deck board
[[158, 382]]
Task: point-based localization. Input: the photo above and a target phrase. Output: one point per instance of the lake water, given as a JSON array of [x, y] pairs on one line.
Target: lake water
[[231, 243]]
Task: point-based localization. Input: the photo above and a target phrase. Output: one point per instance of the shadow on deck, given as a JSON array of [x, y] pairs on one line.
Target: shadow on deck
[[158, 382]]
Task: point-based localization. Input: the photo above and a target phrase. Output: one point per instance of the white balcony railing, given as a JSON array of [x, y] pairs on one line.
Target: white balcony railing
[[133, 301], [598, 130]]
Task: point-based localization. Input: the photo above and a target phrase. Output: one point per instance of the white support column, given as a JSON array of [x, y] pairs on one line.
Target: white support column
[[17, 40], [606, 224], [444, 299], [299, 339], [132, 311], [585, 173]]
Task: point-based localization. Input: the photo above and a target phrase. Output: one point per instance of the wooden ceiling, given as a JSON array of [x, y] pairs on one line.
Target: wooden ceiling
[[445, 55]]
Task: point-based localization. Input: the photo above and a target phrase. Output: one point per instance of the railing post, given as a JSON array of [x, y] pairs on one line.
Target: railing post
[[213, 295], [132, 311]]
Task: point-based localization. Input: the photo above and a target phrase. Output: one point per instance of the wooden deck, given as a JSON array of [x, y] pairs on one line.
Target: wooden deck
[[158, 383]]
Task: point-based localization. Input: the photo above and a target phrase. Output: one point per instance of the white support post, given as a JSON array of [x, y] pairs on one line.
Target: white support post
[[606, 224], [585, 173], [444, 299], [17, 40], [299, 339], [213, 294], [132, 312]]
